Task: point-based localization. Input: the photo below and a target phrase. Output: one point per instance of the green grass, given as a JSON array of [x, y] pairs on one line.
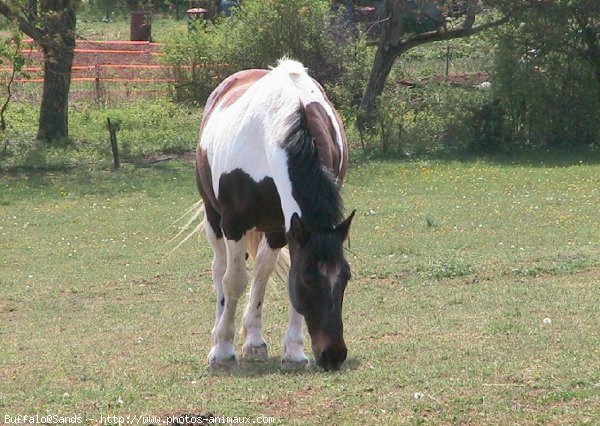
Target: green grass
[[91, 28], [147, 128], [456, 267]]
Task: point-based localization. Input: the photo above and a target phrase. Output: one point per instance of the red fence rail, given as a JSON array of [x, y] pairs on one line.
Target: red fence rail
[[130, 67]]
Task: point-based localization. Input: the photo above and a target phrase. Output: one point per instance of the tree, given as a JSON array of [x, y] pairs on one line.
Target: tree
[[546, 79], [10, 50], [566, 27], [410, 23], [51, 24]]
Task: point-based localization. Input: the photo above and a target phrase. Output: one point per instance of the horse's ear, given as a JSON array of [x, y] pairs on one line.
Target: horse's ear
[[297, 230], [344, 228]]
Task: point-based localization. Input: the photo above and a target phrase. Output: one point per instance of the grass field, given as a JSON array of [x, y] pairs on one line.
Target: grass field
[[456, 267]]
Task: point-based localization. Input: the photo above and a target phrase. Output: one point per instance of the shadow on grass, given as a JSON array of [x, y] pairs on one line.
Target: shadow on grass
[[272, 367], [557, 157], [104, 182]]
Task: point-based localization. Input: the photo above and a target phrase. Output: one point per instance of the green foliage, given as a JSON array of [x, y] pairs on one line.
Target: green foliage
[[148, 128], [425, 119], [256, 36], [544, 100], [346, 91], [10, 51], [420, 112], [546, 81], [10, 55]]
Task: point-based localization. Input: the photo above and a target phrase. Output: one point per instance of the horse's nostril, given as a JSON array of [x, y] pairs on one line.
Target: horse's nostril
[[332, 358]]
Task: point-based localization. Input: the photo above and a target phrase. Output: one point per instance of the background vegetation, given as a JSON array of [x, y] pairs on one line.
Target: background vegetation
[[540, 86]]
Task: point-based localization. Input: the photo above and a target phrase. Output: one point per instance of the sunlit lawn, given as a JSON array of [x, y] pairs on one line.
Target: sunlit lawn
[[118, 29], [456, 266]]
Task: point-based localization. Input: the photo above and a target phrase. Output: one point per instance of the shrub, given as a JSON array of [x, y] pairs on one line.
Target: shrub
[[255, 36], [545, 93]]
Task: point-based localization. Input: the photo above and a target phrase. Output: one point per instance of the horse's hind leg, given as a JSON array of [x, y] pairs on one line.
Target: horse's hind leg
[[255, 347], [219, 264], [235, 279]]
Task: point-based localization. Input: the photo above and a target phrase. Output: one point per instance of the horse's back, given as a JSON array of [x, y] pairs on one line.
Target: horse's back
[[243, 142], [230, 90]]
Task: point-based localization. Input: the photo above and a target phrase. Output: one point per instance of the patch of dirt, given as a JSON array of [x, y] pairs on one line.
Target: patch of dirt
[[142, 282], [466, 80], [283, 407], [188, 157], [462, 79]]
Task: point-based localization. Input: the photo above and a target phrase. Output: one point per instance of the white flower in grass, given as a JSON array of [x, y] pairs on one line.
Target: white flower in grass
[[547, 321], [418, 395]]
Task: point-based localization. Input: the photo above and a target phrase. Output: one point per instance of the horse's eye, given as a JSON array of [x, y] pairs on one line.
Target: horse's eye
[[310, 277]]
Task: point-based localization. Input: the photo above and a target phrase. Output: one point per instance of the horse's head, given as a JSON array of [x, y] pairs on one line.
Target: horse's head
[[318, 277]]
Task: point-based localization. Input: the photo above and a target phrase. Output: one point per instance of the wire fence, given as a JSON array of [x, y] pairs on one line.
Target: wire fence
[[102, 71]]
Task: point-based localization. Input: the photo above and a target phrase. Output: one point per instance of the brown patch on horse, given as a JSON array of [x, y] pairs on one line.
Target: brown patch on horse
[[322, 130], [204, 177], [342, 171], [230, 90], [246, 204]]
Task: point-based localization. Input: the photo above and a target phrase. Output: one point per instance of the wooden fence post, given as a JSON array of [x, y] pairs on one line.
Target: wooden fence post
[[97, 81], [112, 130], [448, 56]]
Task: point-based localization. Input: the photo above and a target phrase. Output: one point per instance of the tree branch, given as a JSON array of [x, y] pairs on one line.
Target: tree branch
[[431, 36], [23, 23]]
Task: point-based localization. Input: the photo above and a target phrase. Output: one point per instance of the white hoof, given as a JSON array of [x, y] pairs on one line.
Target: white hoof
[[289, 364], [255, 353], [222, 358]]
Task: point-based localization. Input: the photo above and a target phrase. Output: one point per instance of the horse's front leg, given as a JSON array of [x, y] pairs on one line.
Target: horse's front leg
[[293, 343], [255, 347], [222, 354]]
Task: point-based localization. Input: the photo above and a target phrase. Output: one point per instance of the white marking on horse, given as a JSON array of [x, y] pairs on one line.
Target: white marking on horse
[[332, 272], [264, 265]]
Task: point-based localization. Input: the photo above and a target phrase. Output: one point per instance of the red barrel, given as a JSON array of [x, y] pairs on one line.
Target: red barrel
[[140, 26]]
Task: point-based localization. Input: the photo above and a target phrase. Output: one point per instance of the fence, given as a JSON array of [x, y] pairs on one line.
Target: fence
[[104, 71]]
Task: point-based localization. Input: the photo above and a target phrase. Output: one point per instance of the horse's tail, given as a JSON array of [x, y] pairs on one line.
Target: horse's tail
[[195, 222], [282, 267]]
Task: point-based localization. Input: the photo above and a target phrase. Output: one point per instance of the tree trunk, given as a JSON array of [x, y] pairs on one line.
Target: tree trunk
[[387, 52], [384, 60], [54, 110], [58, 47]]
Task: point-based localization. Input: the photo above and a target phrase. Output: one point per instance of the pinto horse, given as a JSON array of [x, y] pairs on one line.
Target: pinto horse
[[270, 162]]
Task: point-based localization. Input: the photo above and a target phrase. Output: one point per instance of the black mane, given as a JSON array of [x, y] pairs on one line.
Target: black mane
[[314, 188]]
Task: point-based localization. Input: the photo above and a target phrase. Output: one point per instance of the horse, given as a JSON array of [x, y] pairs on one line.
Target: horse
[[270, 161]]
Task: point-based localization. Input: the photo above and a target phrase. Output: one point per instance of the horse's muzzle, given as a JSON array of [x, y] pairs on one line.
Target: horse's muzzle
[[331, 357]]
